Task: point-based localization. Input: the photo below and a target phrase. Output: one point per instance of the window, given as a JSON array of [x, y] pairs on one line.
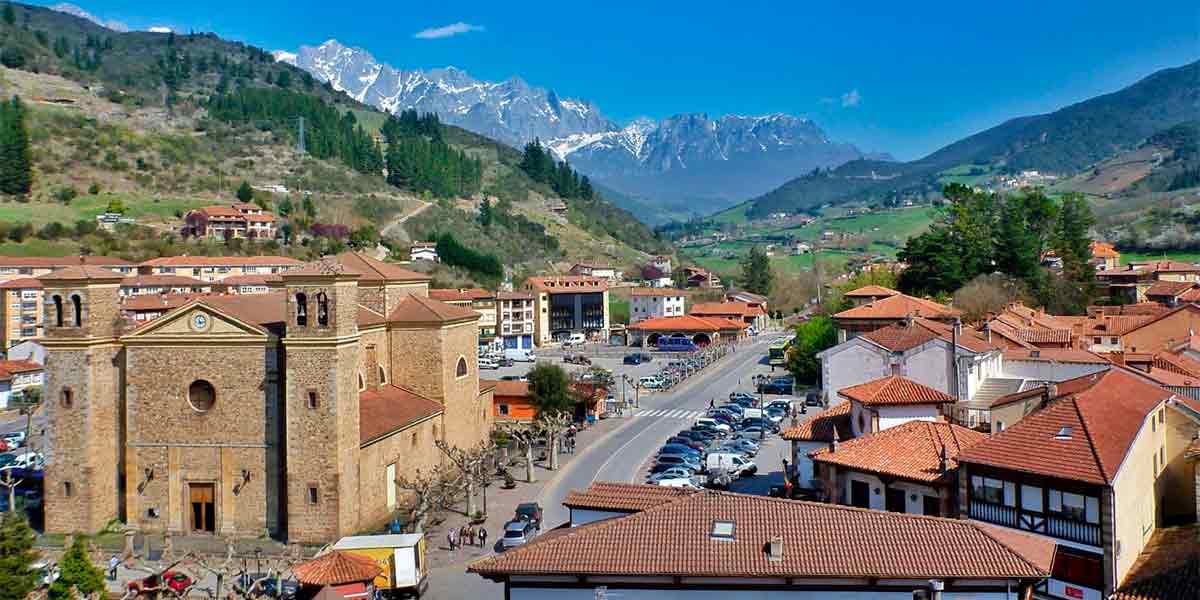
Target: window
[[312, 494], [382, 374], [1162, 415], [301, 310], [1031, 498], [1097, 340], [201, 395], [1076, 507], [58, 311], [361, 384], [504, 410], [322, 310], [67, 489], [311, 396], [68, 398], [461, 369], [1162, 457], [999, 426], [1113, 341], [77, 307], [389, 483], [989, 490]]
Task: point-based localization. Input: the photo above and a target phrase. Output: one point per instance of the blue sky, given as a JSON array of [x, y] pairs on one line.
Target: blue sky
[[901, 77]]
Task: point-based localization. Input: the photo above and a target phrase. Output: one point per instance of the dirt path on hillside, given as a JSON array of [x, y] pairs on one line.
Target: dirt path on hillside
[[391, 227]]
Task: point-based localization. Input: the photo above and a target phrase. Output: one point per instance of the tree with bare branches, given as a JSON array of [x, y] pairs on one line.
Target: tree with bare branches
[[472, 464], [525, 435], [552, 424], [428, 490]]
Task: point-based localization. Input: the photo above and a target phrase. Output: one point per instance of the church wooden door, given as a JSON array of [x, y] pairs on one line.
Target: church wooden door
[[203, 513]]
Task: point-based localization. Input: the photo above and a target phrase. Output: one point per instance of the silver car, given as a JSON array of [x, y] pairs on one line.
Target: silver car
[[517, 533]]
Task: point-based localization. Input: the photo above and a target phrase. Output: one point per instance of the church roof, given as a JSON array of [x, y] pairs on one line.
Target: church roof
[[389, 408], [419, 309]]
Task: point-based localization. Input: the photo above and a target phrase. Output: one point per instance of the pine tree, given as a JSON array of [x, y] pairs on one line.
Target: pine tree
[[16, 159], [16, 556], [244, 192], [756, 272], [78, 572]]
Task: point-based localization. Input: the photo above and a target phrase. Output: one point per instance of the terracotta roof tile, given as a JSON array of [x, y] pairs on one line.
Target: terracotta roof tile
[[81, 273], [967, 338], [51, 262], [1167, 568], [390, 408], [674, 539], [268, 279], [259, 309], [900, 338], [677, 323], [461, 295], [1104, 250], [1081, 436], [706, 309], [337, 568], [1169, 289], [8, 368], [1062, 355], [623, 497], [513, 296], [22, 283], [419, 309], [368, 317], [870, 291], [152, 302], [1178, 363], [911, 451], [1167, 266], [568, 284], [222, 261], [894, 390], [505, 387], [898, 307], [821, 427], [162, 280]]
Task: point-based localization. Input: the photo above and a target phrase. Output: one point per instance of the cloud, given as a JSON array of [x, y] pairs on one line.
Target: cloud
[[160, 29], [851, 99], [436, 33]]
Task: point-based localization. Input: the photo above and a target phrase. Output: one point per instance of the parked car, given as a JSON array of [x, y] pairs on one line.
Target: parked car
[[813, 399], [750, 433], [689, 442], [576, 359], [530, 511], [15, 439], [782, 386], [731, 462], [29, 460], [679, 482], [173, 580], [637, 358], [781, 403], [575, 339], [712, 431], [702, 437], [746, 402], [679, 449], [7, 458], [514, 378], [517, 532], [735, 396], [738, 410], [488, 363], [666, 462], [519, 355], [671, 473], [743, 445], [650, 382], [715, 424]]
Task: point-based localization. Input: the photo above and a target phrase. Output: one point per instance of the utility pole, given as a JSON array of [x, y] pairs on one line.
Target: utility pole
[[300, 138]]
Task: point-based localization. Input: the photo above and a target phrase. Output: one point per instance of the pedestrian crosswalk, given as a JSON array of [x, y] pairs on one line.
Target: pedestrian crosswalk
[[678, 413]]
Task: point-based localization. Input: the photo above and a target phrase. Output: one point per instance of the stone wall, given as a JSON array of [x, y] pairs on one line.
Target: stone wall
[[411, 449], [417, 360], [468, 414]]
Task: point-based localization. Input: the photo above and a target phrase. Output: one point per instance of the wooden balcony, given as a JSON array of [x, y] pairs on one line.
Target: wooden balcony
[[1046, 524]]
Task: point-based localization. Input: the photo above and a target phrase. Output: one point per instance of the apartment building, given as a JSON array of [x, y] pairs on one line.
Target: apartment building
[[140, 285], [515, 320], [13, 267], [567, 305], [235, 221], [1097, 468], [873, 312], [479, 300], [651, 303], [217, 268], [20, 311], [17, 379]]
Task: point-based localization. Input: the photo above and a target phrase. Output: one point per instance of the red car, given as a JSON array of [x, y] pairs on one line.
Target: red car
[[172, 580]]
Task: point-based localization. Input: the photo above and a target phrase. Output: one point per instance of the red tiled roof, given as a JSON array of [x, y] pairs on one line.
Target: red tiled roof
[[894, 390], [368, 317], [337, 568], [1167, 568], [677, 323], [81, 273], [898, 307], [268, 279], [460, 295], [1104, 250], [911, 451], [161, 280], [674, 539], [1109, 325], [821, 427], [644, 291], [1167, 266], [623, 497], [1192, 295], [707, 309], [725, 324], [419, 309], [1103, 414], [51, 262], [513, 296], [967, 338], [22, 283], [221, 261], [8, 368], [263, 218], [150, 302], [259, 309], [505, 387], [899, 337], [870, 291], [1178, 363], [372, 270], [390, 408], [220, 211], [1169, 289]]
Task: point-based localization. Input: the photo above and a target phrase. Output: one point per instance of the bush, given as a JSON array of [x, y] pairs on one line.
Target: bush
[[78, 572], [94, 189], [65, 194]]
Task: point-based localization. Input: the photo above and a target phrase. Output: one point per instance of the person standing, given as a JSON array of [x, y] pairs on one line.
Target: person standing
[[113, 562], [482, 537], [470, 535], [450, 539]]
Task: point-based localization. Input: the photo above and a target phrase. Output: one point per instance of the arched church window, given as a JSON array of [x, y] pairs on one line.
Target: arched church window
[[301, 310], [322, 310], [202, 395], [58, 311], [77, 307], [461, 369]]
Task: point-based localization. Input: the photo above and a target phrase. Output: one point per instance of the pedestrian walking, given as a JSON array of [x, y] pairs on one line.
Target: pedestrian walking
[[112, 567], [482, 537], [471, 535], [450, 539]]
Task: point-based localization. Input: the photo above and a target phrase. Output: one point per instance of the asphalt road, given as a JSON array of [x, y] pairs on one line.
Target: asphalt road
[[620, 455]]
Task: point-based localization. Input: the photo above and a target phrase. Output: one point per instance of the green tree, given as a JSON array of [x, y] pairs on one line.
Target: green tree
[[285, 207], [245, 193], [550, 389], [17, 580], [77, 572], [1072, 243], [310, 209], [485, 213], [812, 336], [115, 206], [16, 157], [10, 17], [756, 272]]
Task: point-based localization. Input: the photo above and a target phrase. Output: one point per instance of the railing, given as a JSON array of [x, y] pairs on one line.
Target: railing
[[993, 513], [1076, 531]]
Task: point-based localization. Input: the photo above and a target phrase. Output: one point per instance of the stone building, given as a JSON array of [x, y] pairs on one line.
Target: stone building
[[287, 413]]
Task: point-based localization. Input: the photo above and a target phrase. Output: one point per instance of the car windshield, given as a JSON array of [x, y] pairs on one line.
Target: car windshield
[[514, 533]]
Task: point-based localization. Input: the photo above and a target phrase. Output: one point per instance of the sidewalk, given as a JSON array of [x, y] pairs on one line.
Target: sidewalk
[[502, 503]]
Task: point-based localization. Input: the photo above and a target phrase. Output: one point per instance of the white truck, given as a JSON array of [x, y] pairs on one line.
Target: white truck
[[752, 413], [519, 355], [402, 558], [732, 463]]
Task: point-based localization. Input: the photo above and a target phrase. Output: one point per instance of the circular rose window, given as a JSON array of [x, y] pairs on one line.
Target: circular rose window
[[201, 395]]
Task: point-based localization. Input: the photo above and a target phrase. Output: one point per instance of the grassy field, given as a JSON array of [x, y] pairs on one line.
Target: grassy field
[[143, 208], [735, 215], [896, 225], [1179, 255], [832, 261], [39, 247], [962, 174]]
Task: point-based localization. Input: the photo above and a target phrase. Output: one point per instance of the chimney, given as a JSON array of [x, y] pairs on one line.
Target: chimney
[[943, 460], [1049, 391], [775, 549]]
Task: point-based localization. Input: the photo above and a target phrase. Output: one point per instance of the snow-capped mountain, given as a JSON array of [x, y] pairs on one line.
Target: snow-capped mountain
[[688, 161], [511, 111], [71, 9]]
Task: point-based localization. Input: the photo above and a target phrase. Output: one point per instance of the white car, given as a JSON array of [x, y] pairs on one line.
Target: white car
[[715, 424], [678, 483], [649, 382], [488, 363]]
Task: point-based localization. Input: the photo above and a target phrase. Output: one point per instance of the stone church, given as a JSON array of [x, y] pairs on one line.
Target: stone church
[[285, 414]]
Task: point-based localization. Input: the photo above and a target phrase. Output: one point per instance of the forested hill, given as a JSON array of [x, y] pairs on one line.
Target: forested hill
[[1062, 142], [192, 114]]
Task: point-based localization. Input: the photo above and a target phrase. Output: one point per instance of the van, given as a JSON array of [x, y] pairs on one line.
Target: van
[[649, 382], [735, 464], [752, 413], [519, 355], [575, 339]]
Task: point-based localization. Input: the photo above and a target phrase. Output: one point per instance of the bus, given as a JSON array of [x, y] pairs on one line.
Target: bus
[[674, 344], [777, 353]]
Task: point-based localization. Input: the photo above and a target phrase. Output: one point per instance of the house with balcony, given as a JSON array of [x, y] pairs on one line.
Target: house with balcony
[[21, 267], [140, 285], [1097, 468], [479, 300], [910, 468], [652, 303], [567, 305], [216, 268], [889, 310], [225, 222], [753, 315], [515, 320]]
